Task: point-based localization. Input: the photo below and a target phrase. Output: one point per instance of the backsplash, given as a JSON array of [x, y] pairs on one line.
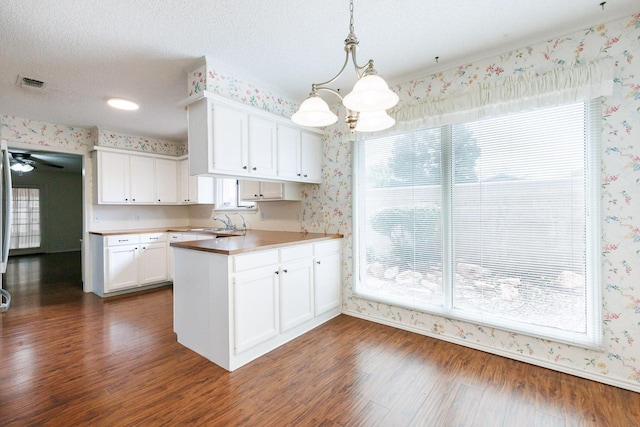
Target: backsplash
[[328, 207]]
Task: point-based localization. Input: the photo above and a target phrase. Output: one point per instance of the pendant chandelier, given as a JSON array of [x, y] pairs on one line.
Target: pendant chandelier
[[365, 106]]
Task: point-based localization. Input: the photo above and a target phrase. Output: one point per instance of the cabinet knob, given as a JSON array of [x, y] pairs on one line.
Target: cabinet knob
[[261, 195], [254, 168], [277, 272], [244, 167], [158, 199], [317, 262], [305, 175], [298, 174], [284, 270], [255, 195], [133, 200], [126, 200]]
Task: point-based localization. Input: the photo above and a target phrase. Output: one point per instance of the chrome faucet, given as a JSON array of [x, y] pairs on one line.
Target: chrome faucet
[[228, 224], [244, 224]]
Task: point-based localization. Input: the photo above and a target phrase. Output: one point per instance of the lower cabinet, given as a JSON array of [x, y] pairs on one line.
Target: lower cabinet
[[129, 261], [255, 309], [233, 309]]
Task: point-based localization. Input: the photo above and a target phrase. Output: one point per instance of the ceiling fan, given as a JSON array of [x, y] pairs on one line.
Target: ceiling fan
[[26, 162]]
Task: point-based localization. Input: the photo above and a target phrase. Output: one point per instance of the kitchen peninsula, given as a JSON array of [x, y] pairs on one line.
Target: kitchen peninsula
[[239, 297]]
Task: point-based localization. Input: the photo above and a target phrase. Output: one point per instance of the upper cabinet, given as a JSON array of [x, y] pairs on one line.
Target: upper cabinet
[[227, 138], [195, 189], [147, 179]]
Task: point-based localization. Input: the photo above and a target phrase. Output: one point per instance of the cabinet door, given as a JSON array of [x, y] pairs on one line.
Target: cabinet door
[[255, 309], [230, 141], [113, 177], [186, 182], [173, 237], [296, 294], [272, 190], [327, 281], [311, 157], [250, 190], [262, 147], [288, 152], [121, 267], [153, 262], [166, 177], [142, 173]]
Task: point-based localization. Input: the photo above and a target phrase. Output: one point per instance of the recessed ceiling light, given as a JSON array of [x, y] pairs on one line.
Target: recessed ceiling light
[[122, 104]]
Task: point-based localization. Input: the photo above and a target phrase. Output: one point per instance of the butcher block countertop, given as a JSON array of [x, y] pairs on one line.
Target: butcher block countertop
[[254, 240]]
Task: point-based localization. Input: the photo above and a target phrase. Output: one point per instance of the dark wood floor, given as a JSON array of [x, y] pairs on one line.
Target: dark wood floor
[[69, 358]]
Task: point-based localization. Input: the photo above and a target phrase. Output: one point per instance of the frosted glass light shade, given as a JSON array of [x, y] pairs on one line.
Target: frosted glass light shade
[[372, 121], [314, 111], [21, 167], [370, 93]]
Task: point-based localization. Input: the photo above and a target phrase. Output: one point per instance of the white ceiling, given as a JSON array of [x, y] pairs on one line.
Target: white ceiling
[[88, 51]]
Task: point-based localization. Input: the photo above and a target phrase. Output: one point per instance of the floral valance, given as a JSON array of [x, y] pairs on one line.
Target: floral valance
[[520, 92]]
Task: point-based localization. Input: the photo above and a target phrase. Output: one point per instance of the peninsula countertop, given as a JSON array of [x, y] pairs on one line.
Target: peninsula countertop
[[254, 240]]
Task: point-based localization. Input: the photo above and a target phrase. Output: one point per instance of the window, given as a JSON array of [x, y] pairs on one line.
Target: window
[[492, 221], [25, 223], [228, 195]]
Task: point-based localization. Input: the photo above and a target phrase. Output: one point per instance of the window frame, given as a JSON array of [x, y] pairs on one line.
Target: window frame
[[239, 205], [592, 339]]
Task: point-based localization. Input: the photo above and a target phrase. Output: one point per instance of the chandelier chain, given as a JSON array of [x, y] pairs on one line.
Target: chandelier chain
[[351, 13]]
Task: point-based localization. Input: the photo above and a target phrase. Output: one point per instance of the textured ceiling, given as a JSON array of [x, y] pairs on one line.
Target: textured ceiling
[[88, 51]]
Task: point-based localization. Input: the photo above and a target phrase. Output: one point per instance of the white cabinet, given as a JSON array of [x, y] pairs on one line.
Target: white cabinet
[[266, 190], [128, 261], [227, 138], [121, 267], [153, 258], [142, 179], [195, 189], [166, 181], [255, 309], [233, 309], [327, 276], [113, 177], [124, 178], [296, 286], [311, 157], [299, 154], [262, 147], [288, 158]]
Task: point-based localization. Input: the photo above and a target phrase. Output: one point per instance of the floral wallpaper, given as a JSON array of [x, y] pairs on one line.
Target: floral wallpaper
[[140, 143], [207, 77], [328, 207], [26, 131]]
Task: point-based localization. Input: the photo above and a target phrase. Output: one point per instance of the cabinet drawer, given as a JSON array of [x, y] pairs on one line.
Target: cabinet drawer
[[153, 237], [327, 247], [121, 239], [254, 260], [296, 252]]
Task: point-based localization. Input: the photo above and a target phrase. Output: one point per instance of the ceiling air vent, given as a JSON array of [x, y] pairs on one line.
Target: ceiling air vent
[[30, 83]]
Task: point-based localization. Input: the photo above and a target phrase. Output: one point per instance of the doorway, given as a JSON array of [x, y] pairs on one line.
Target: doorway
[[48, 212]]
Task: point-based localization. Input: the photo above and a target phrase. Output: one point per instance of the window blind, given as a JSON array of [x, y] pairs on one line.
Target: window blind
[[493, 221]]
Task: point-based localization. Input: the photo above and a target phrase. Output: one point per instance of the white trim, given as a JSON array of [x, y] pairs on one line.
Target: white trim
[[515, 356]]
